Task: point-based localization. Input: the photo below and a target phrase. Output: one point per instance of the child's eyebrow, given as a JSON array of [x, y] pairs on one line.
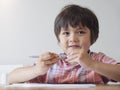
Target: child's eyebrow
[[78, 27], [82, 27]]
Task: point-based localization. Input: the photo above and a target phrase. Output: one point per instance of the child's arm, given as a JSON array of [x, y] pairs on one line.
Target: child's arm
[[109, 70], [23, 74], [82, 57]]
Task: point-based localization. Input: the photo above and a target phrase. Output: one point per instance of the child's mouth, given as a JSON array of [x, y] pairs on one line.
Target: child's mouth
[[74, 46]]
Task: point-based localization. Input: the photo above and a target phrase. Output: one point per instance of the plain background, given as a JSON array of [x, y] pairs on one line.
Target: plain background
[[27, 28]]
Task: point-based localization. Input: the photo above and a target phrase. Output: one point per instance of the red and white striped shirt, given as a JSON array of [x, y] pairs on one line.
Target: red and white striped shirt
[[64, 73]]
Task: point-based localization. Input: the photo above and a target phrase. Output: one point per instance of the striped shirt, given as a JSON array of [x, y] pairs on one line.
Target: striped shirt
[[64, 73]]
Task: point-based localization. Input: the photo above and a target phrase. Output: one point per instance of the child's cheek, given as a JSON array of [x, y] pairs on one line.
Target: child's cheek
[[85, 46]]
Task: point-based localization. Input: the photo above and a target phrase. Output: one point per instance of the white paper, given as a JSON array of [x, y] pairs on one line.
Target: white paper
[[53, 85]]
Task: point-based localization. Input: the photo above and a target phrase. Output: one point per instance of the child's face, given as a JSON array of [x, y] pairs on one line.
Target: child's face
[[74, 38]]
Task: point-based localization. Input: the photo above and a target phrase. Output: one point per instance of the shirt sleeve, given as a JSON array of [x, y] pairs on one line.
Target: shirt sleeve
[[106, 59]]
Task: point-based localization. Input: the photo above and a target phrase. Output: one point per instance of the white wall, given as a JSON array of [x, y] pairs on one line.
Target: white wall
[[26, 28]]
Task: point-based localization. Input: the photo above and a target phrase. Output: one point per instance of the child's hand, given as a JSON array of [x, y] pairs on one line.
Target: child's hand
[[45, 61], [79, 56]]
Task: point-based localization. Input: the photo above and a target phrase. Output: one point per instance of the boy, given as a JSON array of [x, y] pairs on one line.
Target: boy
[[76, 29]]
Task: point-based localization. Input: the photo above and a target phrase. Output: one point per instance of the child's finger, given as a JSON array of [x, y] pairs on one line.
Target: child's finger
[[48, 55], [51, 61]]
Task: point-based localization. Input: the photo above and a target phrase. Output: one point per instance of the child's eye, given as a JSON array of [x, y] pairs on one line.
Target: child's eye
[[81, 32], [66, 33]]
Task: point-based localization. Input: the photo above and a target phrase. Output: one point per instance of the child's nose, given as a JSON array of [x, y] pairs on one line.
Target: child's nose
[[73, 38]]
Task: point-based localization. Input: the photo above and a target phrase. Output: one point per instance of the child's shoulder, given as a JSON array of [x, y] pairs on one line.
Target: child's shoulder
[[102, 57], [96, 55]]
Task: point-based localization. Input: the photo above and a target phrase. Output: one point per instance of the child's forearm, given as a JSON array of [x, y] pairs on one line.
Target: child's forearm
[[23, 74], [109, 70]]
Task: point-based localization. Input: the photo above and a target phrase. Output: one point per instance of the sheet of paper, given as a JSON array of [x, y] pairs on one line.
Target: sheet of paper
[[53, 85]]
